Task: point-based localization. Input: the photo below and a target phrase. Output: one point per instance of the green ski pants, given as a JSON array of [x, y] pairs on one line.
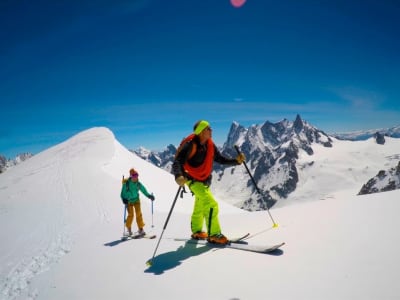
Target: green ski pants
[[204, 204]]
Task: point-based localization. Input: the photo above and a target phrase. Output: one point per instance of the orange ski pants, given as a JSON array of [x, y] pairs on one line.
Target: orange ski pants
[[138, 211]]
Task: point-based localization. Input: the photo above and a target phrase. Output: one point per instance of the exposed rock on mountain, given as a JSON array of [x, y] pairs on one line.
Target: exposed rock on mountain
[[162, 159], [384, 181], [8, 163], [379, 138], [3, 162], [271, 151]]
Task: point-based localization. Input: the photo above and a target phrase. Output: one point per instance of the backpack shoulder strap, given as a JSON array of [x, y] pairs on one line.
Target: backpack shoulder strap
[[127, 185], [193, 149]]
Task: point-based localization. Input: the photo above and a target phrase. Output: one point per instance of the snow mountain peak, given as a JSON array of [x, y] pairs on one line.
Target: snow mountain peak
[[271, 150]]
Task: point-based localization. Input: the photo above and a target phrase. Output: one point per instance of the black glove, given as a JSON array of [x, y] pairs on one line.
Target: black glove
[[125, 201], [151, 197]]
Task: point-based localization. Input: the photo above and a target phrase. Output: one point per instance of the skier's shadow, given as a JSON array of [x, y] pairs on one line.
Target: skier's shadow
[[115, 243], [172, 259]]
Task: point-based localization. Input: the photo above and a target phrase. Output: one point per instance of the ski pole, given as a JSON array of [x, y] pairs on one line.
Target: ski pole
[[255, 184], [123, 234], [152, 213], [209, 221], [124, 219], [150, 261]]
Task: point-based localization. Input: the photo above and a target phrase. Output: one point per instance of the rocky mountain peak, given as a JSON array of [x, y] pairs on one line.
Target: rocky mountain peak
[[272, 150], [298, 124]]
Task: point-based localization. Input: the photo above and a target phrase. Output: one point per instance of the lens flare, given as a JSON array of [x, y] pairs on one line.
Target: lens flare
[[238, 3]]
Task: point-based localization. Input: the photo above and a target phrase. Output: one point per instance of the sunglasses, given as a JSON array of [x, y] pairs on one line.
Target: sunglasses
[[135, 176]]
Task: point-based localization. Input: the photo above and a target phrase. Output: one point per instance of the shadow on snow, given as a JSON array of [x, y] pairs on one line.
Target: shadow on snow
[[169, 260]]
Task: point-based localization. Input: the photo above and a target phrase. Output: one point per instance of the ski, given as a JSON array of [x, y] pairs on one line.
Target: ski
[[137, 237], [240, 246], [246, 247], [236, 243], [238, 240]]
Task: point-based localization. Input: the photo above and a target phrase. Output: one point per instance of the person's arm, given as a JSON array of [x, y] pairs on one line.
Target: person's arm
[[223, 160], [179, 161]]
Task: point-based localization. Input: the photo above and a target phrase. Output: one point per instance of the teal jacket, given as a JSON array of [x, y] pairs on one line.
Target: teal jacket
[[130, 191]]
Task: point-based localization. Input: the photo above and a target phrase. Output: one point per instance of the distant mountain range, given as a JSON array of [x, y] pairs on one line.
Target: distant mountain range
[[272, 151], [364, 135], [8, 163]]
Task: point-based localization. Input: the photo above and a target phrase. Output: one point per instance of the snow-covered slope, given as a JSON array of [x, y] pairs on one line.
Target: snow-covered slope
[[61, 219], [345, 166]]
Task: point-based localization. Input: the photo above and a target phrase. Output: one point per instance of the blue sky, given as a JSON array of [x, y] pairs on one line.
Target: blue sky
[[149, 69]]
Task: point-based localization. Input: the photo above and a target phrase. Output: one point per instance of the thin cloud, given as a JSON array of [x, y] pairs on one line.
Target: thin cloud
[[360, 99]]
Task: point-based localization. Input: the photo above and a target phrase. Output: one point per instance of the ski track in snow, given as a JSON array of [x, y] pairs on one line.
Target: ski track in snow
[[22, 274], [61, 178], [53, 246]]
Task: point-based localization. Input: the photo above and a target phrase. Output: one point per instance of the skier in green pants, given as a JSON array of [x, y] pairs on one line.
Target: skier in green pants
[[193, 166]]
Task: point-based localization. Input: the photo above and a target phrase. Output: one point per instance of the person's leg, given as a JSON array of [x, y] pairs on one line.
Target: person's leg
[[197, 215], [204, 201], [129, 219], [139, 216]]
